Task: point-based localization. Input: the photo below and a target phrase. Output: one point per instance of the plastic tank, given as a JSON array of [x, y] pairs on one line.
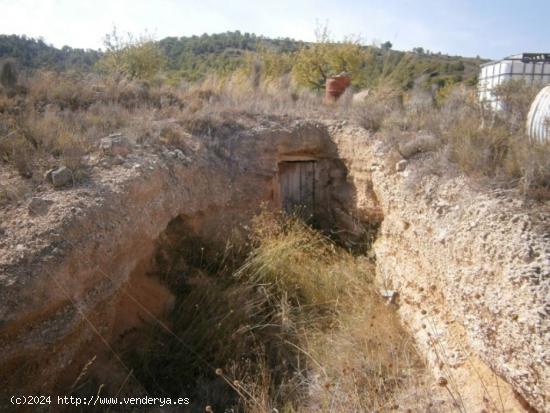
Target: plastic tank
[[533, 68], [538, 119]]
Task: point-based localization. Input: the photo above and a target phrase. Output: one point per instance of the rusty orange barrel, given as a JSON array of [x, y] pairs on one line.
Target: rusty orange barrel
[[336, 86]]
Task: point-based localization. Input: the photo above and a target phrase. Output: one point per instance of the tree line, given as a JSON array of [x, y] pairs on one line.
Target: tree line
[[194, 57]]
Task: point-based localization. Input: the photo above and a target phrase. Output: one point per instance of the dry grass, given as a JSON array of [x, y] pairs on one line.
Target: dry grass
[[490, 147], [299, 327], [50, 119], [356, 355], [497, 148], [10, 193], [57, 118], [382, 103]]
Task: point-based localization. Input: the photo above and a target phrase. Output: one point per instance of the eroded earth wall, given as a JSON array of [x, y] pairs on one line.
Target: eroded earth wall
[[63, 270], [472, 270]]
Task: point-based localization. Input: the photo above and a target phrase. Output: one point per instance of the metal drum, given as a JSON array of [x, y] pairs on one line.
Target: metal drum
[[336, 86]]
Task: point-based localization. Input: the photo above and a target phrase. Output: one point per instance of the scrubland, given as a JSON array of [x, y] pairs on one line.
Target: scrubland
[[49, 119], [295, 322]]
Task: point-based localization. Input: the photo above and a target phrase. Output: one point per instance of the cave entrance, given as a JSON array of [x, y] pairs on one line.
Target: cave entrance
[[297, 186]]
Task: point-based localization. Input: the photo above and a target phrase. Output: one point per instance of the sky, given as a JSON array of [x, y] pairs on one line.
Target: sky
[[488, 28]]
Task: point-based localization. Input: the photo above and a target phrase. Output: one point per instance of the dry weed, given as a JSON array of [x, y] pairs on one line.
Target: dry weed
[[491, 147], [299, 327]]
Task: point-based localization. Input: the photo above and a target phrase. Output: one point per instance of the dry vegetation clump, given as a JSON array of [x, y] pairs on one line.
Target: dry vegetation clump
[[354, 350], [271, 97], [58, 119], [298, 327], [380, 104], [487, 145], [62, 90], [48, 119], [11, 192]]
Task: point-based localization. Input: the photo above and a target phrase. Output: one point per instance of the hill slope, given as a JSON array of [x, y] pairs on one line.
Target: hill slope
[[35, 53], [191, 58]]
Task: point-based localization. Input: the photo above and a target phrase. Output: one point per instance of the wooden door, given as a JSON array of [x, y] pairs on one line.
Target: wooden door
[[297, 184]]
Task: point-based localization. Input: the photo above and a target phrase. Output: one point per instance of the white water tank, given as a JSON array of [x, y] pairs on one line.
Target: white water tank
[[533, 68], [538, 119]]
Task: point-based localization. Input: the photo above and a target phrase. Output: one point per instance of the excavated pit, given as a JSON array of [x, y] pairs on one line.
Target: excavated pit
[[69, 300], [193, 251], [106, 263]]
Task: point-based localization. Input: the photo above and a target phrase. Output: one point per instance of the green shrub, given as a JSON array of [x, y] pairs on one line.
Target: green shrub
[[315, 63], [132, 58], [8, 75]]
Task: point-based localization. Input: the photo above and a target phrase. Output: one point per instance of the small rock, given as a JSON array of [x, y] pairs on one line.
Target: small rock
[[420, 144], [39, 206], [179, 154], [401, 165], [48, 175], [114, 145], [119, 160], [390, 295], [61, 176]]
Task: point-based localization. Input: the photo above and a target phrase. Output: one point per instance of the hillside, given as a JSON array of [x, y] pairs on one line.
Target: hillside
[[36, 54], [194, 218], [192, 58]]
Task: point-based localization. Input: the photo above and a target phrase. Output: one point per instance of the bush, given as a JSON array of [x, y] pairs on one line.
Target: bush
[[496, 147], [381, 103], [481, 143], [516, 97], [61, 90], [131, 58], [18, 151], [315, 63], [8, 75], [11, 193]]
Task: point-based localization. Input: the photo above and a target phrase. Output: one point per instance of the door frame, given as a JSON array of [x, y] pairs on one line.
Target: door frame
[[277, 184]]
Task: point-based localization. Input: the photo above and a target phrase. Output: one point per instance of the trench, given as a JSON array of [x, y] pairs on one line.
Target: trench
[[171, 289], [197, 320], [209, 322]]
